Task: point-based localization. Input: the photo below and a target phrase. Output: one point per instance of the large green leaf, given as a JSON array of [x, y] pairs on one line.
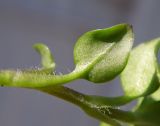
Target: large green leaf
[[102, 54], [140, 75]]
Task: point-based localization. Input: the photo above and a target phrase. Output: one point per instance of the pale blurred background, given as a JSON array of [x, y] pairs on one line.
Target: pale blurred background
[[58, 23]]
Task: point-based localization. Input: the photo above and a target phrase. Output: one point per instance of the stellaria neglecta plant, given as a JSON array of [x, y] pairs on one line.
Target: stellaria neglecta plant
[[100, 56]]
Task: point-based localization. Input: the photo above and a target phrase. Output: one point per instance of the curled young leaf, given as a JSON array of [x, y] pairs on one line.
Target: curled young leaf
[[102, 54], [46, 56], [140, 75]]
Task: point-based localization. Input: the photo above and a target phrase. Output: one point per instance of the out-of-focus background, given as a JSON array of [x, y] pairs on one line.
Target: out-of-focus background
[[58, 23]]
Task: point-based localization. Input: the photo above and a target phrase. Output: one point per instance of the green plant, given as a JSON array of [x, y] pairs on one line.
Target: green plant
[[100, 56]]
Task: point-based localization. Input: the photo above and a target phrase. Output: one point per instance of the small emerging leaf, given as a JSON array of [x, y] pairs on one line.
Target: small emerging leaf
[[102, 54], [47, 58], [140, 75]]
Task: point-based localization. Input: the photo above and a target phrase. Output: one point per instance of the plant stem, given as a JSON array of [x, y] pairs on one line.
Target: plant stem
[[102, 112], [31, 80]]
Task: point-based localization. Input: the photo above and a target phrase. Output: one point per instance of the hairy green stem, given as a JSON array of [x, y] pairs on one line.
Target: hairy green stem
[[78, 99], [105, 113], [31, 80]]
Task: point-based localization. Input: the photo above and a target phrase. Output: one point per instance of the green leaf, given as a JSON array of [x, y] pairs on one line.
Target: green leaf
[[102, 54], [46, 55], [140, 75]]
